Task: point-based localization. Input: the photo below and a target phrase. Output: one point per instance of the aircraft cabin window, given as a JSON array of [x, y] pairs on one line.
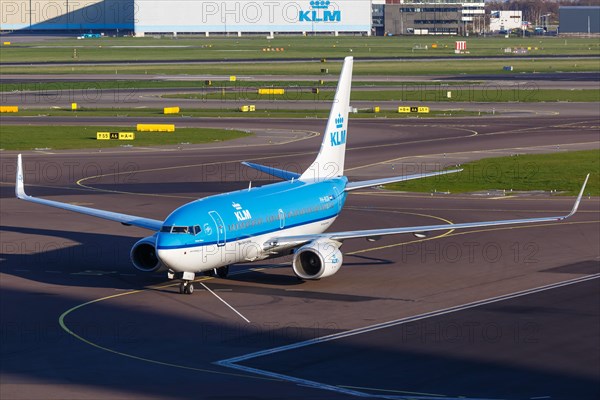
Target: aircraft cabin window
[[197, 229], [180, 229]]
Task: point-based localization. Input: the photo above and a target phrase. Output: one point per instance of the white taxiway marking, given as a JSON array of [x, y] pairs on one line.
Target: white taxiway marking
[[224, 302], [233, 362]]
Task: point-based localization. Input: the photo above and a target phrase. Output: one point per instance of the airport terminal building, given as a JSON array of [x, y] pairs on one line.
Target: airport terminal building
[[188, 16], [238, 17]]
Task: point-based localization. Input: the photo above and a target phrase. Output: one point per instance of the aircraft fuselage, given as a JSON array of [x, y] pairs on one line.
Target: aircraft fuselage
[[233, 227]]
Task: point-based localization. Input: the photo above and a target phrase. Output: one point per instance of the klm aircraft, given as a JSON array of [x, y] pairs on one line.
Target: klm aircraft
[[288, 217]]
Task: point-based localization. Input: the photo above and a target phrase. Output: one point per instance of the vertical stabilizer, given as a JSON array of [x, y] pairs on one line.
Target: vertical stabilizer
[[19, 184], [330, 161]]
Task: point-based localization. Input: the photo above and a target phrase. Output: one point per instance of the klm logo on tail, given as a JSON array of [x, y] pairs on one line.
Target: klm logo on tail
[[338, 137]]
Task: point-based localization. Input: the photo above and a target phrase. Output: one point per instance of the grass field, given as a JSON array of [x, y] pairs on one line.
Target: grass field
[[376, 68], [81, 137], [491, 93], [202, 48], [263, 111], [196, 84], [563, 172]]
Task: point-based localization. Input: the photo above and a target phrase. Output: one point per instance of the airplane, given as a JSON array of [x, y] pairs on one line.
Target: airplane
[[288, 217]]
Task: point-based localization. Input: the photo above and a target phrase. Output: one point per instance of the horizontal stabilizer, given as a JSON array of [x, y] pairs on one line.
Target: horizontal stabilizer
[[385, 181], [279, 173]]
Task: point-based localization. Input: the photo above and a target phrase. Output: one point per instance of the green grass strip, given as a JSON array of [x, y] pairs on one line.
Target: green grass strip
[[82, 137], [376, 68], [491, 93], [202, 48], [233, 112], [91, 86], [563, 172]]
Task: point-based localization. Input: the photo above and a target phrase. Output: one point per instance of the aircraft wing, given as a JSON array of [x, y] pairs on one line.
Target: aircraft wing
[[294, 241], [384, 181], [125, 219]]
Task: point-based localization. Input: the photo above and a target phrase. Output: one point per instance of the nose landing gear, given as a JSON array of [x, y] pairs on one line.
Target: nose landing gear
[[187, 285]]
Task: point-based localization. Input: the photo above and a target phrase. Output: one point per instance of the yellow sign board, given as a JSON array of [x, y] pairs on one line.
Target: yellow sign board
[[271, 91], [171, 110], [115, 136], [102, 135], [9, 109], [232, 78], [155, 127], [405, 109], [126, 136]]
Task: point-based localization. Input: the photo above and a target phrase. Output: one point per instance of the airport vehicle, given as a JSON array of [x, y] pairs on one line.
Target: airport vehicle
[[288, 217]]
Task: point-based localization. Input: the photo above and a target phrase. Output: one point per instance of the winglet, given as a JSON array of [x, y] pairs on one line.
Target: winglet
[[576, 205], [19, 185]]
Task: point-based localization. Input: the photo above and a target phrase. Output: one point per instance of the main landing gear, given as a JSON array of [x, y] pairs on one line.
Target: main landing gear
[[221, 272]]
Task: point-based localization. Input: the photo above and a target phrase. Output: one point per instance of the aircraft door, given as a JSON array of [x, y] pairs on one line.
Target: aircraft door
[[281, 219], [337, 199], [220, 228]]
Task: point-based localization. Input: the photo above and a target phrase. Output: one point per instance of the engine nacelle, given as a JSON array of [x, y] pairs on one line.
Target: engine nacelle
[[316, 260], [143, 255]]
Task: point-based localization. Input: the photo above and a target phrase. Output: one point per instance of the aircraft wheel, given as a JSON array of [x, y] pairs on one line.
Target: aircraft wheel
[[189, 288], [222, 272], [182, 288]]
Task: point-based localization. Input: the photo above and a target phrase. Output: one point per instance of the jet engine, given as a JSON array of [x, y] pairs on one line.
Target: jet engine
[[318, 259], [143, 255]]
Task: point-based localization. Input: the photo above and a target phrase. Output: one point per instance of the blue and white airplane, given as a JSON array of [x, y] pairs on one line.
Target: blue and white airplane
[[288, 217]]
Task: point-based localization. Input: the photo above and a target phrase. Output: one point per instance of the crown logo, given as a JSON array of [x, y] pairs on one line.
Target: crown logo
[[320, 4], [339, 121], [237, 206]]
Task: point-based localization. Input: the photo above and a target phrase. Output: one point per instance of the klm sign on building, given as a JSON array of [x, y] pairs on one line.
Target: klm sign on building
[[246, 16], [185, 16], [320, 12]]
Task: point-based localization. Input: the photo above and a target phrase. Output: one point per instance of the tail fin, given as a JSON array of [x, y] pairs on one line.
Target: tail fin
[[330, 161], [19, 184]]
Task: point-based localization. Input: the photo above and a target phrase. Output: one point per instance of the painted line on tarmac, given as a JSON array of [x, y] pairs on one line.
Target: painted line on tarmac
[[68, 312], [63, 325], [233, 362], [224, 302]]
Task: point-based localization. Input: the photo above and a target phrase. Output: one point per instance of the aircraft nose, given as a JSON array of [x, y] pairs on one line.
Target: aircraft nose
[[163, 252], [172, 253]]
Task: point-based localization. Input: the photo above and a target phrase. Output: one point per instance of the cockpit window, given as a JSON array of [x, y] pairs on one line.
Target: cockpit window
[[180, 229], [192, 230]]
